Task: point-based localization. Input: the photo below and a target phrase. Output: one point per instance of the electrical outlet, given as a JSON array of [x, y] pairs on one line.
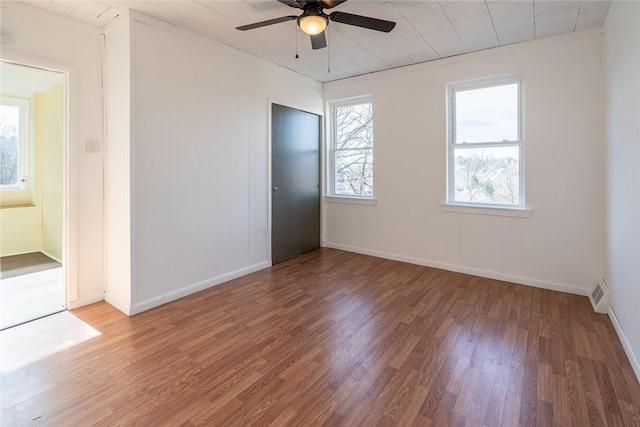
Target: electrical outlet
[[264, 231]]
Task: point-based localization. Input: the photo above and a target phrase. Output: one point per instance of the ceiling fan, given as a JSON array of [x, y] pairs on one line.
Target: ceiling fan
[[313, 20]]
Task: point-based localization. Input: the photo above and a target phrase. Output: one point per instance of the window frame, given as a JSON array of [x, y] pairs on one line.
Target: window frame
[[332, 150], [23, 105], [452, 145]]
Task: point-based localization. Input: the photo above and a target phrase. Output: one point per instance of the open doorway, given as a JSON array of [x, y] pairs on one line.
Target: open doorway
[[32, 140]]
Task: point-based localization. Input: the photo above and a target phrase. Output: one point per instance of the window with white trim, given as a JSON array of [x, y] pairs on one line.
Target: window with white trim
[[350, 159], [485, 148], [14, 143]]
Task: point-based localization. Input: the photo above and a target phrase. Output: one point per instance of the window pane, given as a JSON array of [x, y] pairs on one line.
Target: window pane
[[354, 126], [354, 173], [487, 115], [9, 147], [487, 175]]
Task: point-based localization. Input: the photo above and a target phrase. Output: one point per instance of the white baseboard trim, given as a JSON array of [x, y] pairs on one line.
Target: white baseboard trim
[[635, 363], [117, 303], [85, 301], [197, 287], [466, 270], [50, 256]]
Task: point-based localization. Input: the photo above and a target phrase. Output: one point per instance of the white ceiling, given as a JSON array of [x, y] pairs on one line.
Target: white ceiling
[[19, 80], [425, 30]]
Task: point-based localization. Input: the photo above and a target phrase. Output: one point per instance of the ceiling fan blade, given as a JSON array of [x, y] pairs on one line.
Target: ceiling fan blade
[[328, 4], [362, 21], [318, 41], [294, 3], [265, 23]]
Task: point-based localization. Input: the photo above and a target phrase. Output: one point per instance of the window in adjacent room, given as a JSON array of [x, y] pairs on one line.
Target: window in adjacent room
[[14, 143], [350, 158], [485, 147]]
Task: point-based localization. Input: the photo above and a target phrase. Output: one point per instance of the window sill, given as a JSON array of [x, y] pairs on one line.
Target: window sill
[[351, 200], [25, 205], [487, 210], [15, 198]]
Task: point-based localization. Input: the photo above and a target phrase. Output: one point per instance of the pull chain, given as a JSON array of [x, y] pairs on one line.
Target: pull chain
[[296, 30], [328, 50]]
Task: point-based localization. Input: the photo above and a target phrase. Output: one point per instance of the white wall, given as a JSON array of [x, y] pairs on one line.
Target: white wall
[[117, 78], [560, 246], [37, 226], [52, 41], [50, 118], [622, 145], [199, 159], [20, 228], [21, 213]]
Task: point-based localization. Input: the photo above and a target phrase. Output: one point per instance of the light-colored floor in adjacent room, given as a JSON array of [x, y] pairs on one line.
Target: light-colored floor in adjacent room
[[30, 296], [32, 262]]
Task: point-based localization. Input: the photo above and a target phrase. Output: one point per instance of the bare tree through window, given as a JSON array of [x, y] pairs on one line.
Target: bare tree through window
[[485, 143], [483, 176], [9, 144], [354, 150]]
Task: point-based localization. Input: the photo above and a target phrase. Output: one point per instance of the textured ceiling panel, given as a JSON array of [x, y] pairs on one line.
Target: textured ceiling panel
[[425, 30]]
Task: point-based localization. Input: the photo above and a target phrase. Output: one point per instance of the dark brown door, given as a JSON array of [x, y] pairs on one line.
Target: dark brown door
[[295, 182]]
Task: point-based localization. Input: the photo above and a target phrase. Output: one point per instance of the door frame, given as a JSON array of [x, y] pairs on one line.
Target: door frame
[[69, 168], [320, 113]]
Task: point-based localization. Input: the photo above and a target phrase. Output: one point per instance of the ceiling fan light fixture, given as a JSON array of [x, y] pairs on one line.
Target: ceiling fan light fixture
[[312, 23]]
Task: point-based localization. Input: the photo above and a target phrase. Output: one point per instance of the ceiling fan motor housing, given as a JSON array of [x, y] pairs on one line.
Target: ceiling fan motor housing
[[313, 20]]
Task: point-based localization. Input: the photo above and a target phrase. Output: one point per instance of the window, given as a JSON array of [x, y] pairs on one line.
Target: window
[[351, 148], [14, 143], [485, 147]]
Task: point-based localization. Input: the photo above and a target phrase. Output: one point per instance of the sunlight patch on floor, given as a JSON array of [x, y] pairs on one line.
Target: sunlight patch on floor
[[33, 341]]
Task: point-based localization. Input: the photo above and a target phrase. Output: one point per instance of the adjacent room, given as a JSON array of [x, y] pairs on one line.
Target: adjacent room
[[31, 120], [362, 212]]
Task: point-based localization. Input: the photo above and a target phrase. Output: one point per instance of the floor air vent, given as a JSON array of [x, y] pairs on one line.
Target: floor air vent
[[600, 297]]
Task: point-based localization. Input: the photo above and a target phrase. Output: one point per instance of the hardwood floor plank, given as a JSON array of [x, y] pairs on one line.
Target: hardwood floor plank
[[545, 414], [629, 413], [592, 398], [444, 409], [497, 396], [529, 395], [511, 413], [335, 338], [560, 401]]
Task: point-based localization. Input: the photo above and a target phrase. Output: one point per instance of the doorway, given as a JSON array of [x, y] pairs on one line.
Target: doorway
[[295, 182], [32, 141]]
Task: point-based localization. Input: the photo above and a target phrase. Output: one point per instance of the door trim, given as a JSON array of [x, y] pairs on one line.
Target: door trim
[[69, 169], [320, 113]]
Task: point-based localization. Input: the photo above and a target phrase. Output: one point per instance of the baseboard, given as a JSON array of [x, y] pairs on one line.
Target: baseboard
[[85, 301], [197, 287], [50, 256], [117, 303], [466, 270], [635, 363], [19, 253]]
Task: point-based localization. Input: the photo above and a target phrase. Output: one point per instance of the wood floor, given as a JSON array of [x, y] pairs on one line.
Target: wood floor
[[334, 338]]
